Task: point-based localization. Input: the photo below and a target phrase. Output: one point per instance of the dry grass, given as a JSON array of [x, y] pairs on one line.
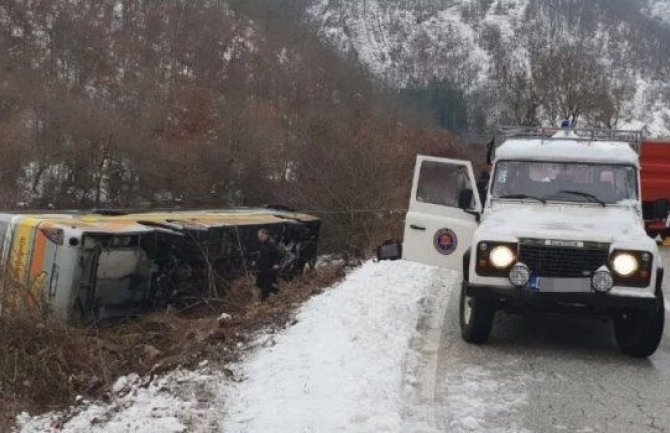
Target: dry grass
[[44, 365]]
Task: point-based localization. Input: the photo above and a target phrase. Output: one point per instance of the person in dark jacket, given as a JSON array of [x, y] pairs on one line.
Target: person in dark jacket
[[268, 265]]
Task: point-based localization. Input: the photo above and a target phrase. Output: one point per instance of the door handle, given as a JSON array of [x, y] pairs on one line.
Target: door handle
[[416, 227]]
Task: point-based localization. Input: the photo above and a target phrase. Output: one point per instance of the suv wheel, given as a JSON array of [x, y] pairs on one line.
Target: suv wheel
[[476, 317], [639, 333]]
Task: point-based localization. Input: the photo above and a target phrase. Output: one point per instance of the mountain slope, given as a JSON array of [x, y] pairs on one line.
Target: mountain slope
[[658, 9], [478, 45]]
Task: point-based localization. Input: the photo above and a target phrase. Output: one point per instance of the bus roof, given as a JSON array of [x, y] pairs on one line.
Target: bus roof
[[144, 222]]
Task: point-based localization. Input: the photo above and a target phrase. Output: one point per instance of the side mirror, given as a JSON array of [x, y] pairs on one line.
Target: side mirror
[[661, 209], [465, 199]]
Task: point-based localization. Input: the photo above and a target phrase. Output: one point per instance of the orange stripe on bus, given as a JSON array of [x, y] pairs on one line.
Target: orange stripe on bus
[[38, 254]]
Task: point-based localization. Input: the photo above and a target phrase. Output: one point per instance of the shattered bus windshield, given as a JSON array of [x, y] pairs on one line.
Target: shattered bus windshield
[[565, 182]]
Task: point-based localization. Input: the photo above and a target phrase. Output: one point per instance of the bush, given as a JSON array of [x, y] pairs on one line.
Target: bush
[[46, 364]]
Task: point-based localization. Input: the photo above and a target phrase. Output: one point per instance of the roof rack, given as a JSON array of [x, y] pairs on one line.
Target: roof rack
[[504, 133]]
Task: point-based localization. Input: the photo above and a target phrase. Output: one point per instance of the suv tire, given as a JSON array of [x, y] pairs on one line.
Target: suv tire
[[639, 333], [476, 318]]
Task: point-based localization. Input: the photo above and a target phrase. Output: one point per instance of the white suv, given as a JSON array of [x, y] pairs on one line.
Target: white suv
[[560, 230]]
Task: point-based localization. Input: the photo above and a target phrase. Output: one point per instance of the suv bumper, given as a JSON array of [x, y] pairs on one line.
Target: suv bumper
[[516, 297]]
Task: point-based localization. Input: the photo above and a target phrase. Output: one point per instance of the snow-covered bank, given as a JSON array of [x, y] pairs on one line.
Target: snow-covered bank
[[181, 401], [349, 363], [342, 366]]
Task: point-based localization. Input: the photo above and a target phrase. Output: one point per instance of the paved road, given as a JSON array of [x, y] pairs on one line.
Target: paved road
[[550, 375]]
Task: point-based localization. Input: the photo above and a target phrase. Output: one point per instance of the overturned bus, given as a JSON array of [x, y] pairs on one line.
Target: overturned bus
[[86, 267]]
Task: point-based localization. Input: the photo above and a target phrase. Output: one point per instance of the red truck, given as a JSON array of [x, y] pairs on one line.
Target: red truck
[[655, 174]]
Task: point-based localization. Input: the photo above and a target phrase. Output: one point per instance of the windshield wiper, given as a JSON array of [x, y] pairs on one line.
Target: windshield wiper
[[586, 195], [524, 197]]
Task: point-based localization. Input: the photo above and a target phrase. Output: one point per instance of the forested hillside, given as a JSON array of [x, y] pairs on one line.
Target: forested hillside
[[131, 103], [514, 61]]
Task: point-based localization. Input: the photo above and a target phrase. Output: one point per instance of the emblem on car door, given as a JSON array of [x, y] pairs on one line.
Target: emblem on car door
[[445, 241]]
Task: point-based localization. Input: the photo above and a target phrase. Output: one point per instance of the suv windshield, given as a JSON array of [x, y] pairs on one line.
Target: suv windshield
[[565, 182]]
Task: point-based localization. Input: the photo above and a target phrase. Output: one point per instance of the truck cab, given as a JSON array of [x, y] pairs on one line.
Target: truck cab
[[559, 229]]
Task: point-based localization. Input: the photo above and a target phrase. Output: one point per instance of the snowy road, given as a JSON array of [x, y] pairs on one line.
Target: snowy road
[[549, 375]]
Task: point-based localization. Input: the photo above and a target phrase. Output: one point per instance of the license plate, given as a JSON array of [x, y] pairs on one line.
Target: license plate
[[562, 243]]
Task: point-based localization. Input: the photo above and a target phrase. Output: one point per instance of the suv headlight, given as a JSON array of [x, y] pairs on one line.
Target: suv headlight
[[631, 268], [495, 259], [502, 257], [625, 264]]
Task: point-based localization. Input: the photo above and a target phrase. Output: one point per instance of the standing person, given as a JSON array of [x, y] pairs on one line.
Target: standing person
[[268, 265]]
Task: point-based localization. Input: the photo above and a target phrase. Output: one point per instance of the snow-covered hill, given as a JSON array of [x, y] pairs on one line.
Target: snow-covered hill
[[416, 42], [658, 9]]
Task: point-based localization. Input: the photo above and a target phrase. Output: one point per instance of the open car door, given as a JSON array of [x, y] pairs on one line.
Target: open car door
[[443, 212]]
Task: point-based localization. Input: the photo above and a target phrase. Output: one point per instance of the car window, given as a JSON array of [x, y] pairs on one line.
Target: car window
[[442, 184], [571, 182]]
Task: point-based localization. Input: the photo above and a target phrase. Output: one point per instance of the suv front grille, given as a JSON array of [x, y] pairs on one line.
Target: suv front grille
[[564, 261]]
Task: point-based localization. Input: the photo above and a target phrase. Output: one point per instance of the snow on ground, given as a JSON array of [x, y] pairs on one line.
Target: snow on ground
[[341, 367], [350, 363], [177, 402]]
